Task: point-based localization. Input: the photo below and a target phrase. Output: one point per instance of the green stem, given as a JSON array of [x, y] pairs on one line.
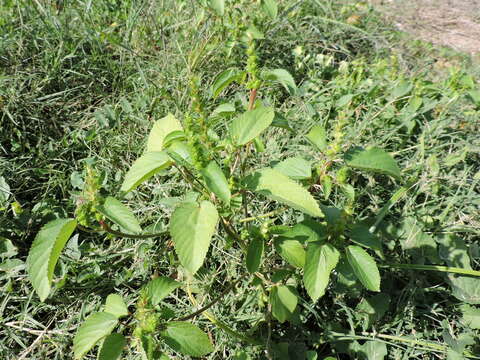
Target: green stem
[[271, 213], [214, 301], [447, 269]]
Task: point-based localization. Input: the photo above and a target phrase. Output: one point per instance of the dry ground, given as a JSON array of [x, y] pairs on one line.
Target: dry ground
[[452, 23]]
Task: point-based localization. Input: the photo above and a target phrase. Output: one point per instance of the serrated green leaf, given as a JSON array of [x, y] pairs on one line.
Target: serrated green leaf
[[116, 306], [364, 267], [276, 186], [295, 168], [120, 215], [320, 261], [283, 301], [144, 168], [192, 227], [270, 7], [291, 250], [159, 288], [187, 339], [254, 254], [224, 79], [318, 137], [45, 251], [95, 328], [373, 159], [283, 77], [161, 128], [216, 181], [471, 316], [251, 124], [112, 347]]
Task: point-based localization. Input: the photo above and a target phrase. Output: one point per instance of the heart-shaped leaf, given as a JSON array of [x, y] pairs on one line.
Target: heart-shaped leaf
[[187, 339], [320, 261], [251, 124], [192, 227]]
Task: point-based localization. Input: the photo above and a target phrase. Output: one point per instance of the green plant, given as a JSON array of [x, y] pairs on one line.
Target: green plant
[[223, 195]]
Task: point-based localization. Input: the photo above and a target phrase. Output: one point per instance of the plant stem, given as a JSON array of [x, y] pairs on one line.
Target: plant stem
[[222, 325], [108, 229], [214, 301], [271, 213], [447, 269]]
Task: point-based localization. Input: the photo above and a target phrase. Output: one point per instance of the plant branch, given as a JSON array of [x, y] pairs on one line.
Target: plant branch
[[214, 301], [108, 229]]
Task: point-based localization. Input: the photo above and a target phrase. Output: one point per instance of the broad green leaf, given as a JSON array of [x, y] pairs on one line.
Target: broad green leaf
[[144, 168], [364, 267], [254, 254], [403, 88], [218, 6], [270, 7], [192, 227], [224, 79], [161, 128], [187, 339], [96, 327], [415, 242], [112, 347], [454, 252], [373, 350], [318, 137], [295, 168], [159, 288], [276, 186], [45, 251], [372, 309], [251, 124], [291, 250], [283, 77], [474, 96], [283, 301], [116, 306], [253, 33], [471, 316], [374, 160], [361, 235], [180, 153], [216, 181], [120, 215], [320, 261]]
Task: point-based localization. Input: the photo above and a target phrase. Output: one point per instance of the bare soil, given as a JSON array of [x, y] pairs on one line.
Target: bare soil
[[452, 23]]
